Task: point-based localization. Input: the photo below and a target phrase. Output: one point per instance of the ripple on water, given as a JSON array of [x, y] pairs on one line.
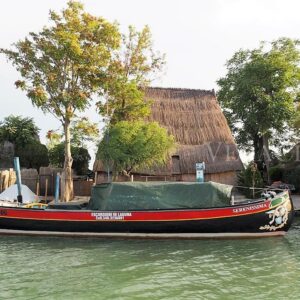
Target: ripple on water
[[53, 268]]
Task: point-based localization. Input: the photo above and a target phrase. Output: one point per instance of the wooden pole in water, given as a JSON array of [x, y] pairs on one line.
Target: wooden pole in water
[[96, 175], [57, 187], [18, 174], [38, 188], [46, 190], [0, 181]]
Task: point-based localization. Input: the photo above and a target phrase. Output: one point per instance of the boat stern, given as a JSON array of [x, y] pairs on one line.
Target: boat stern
[[280, 213]]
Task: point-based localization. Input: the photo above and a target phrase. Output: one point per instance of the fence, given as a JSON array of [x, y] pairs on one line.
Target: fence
[[42, 183], [7, 178]]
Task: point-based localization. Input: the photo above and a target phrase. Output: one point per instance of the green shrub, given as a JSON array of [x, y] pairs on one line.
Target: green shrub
[[247, 178], [81, 160], [291, 176], [276, 173], [80, 157], [33, 155]]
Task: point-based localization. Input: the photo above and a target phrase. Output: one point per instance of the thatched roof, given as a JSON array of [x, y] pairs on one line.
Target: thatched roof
[[195, 119]]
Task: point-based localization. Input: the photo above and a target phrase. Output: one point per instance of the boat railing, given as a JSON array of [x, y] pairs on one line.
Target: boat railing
[[243, 194], [266, 188]]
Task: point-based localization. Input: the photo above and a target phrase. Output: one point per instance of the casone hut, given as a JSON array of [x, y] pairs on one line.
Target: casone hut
[[201, 132]]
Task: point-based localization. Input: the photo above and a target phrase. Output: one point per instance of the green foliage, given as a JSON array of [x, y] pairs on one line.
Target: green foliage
[[53, 138], [276, 173], [82, 131], [130, 143], [291, 176], [18, 130], [133, 68], [33, 155], [78, 56], [23, 133], [259, 91], [63, 65], [125, 102], [81, 158], [56, 155], [250, 177], [136, 145]]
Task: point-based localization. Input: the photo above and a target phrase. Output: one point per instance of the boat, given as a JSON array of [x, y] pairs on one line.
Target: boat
[[155, 210]]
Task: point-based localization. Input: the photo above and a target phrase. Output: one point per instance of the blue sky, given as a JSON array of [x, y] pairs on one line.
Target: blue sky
[[197, 36]]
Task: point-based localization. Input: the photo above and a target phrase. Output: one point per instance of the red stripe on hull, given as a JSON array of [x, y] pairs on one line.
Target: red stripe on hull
[[164, 215]]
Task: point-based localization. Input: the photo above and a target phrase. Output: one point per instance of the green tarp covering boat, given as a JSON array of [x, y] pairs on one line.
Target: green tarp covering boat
[[159, 195]]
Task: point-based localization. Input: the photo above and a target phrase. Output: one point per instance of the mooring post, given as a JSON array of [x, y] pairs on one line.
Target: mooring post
[[18, 174], [95, 178], [38, 188], [0, 181], [56, 195], [46, 190]]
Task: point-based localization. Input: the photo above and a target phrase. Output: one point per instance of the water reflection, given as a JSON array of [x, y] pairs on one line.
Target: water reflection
[[57, 268]]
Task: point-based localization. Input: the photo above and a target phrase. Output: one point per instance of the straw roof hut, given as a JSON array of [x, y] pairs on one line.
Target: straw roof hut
[[195, 119]]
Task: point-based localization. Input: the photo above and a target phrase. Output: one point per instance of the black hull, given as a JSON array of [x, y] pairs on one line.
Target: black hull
[[264, 217], [248, 223]]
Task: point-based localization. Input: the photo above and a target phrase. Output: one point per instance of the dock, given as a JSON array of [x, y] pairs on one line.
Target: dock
[[296, 202]]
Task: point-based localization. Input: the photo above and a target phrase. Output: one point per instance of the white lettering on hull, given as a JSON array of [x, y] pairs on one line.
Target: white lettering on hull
[[111, 215], [250, 208]]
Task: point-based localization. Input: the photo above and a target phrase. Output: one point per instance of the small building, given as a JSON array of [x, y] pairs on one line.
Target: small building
[[201, 132]]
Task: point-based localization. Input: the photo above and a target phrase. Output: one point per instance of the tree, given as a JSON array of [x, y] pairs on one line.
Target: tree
[[33, 155], [80, 155], [129, 142], [134, 66], [24, 134], [82, 131], [18, 130], [135, 145], [250, 177], [53, 138], [258, 94], [63, 66]]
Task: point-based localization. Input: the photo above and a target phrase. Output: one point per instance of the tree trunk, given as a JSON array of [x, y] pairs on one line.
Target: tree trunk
[[267, 159], [257, 144], [262, 156], [67, 193]]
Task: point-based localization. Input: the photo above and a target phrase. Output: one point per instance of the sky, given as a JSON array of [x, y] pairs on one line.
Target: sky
[[197, 36]]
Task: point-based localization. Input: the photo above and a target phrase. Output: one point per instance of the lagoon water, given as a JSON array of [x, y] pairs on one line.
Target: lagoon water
[[64, 268]]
